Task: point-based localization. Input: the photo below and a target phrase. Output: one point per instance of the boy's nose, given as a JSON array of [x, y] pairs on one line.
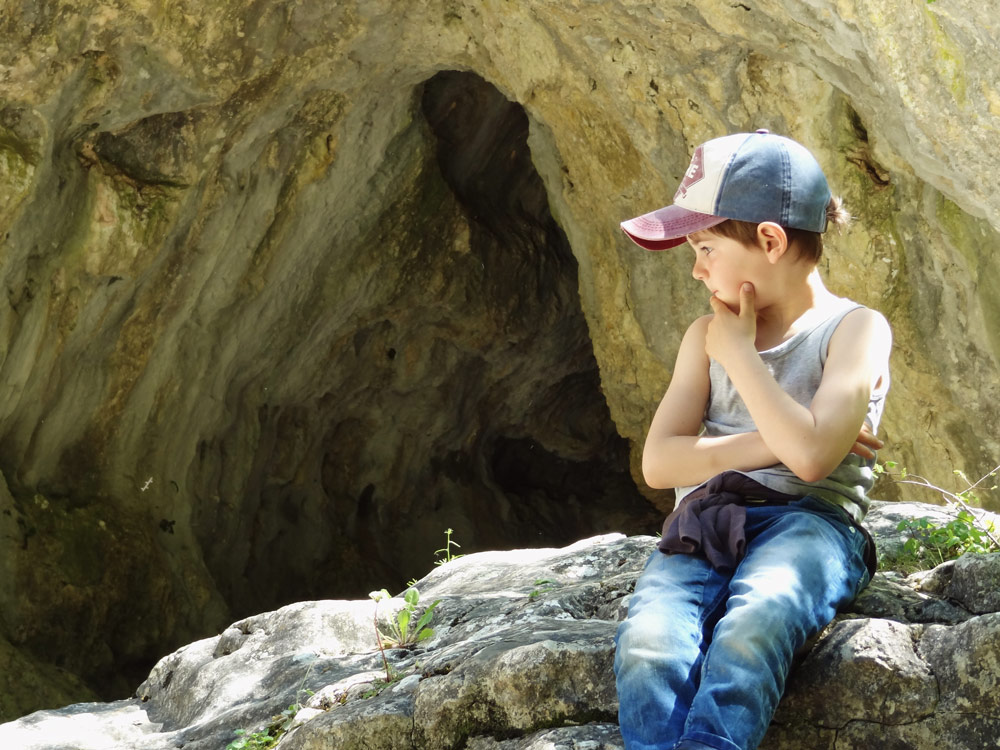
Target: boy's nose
[[697, 271]]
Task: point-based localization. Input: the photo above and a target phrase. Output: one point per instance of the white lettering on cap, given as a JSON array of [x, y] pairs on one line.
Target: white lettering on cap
[[695, 173]]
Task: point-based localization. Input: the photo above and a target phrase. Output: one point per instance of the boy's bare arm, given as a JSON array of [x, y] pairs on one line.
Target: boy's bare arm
[[674, 454], [810, 441]]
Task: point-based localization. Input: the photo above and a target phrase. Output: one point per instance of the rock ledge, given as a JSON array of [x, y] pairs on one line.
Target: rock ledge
[[521, 659]]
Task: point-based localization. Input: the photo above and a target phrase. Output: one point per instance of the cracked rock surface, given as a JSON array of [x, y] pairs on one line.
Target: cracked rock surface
[[521, 660], [290, 286]]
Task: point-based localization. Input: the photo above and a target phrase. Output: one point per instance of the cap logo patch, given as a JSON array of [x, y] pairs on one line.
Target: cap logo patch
[[695, 173]]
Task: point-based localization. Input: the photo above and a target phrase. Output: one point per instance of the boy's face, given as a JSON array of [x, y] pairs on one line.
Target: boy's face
[[723, 264]]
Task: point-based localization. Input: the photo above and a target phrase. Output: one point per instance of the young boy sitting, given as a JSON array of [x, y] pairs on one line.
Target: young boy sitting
[[767, 432]]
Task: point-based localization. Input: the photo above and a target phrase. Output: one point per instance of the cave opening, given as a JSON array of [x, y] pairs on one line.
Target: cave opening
[[458, 388], [558, 468], [447, 381], [460, 391]]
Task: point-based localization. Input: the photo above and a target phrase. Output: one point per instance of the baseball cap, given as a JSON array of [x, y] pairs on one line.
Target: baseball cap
[[746, 176]]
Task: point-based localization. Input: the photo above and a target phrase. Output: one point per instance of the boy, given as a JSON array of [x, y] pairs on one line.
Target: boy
[[767, 433]]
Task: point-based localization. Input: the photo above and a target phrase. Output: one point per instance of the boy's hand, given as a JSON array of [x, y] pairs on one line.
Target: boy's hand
[[728, 332], [866, 444]]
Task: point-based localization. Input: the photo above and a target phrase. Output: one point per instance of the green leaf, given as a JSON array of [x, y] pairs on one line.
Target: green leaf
[[425, 618], [403, 620], [411, 597]]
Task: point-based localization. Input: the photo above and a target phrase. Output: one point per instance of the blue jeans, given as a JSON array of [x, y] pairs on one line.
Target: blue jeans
[[702, 658]]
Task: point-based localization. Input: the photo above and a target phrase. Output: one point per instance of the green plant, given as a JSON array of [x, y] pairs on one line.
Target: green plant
[[252, 741], [379, 685], [543, 585], [267, 737], [448, 544], [931, 542], [963, 499], [401, 632], [935, 543]]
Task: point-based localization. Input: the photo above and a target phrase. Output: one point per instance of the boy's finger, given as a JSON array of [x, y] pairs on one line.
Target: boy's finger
[[867, 437], [747, 300], [860, 449]]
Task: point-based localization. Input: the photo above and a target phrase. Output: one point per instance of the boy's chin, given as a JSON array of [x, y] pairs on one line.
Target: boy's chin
[[733, 305]]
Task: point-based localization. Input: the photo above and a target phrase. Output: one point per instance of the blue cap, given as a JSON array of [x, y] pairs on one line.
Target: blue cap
[[752, 177]]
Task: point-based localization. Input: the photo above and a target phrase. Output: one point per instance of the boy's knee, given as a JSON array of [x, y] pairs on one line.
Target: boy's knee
[[641, 633], [649, 638]]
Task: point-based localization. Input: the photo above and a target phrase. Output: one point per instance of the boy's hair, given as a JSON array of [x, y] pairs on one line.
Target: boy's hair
[[809, 245]]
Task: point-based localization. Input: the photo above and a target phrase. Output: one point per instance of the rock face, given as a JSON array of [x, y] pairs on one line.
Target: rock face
[[521, 659], [292, 287]]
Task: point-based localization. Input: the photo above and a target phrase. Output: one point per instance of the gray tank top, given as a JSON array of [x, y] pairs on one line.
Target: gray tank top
[[797, 365]]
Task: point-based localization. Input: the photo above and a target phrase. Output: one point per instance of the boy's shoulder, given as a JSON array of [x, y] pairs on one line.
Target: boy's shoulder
[[848, 314], [700, 324], [862, 317], [863, 329]]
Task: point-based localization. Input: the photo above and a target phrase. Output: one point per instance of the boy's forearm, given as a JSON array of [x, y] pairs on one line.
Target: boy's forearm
[[682, 460], [786, 427]]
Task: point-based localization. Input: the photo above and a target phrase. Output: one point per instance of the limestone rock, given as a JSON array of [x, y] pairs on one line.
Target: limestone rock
[[289, 288], [880, 679], [973, 583], [894, 597], [587, 737], [966, 663], [522, 651], [521, 660]]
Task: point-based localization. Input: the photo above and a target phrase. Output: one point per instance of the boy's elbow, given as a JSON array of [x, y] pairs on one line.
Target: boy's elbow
[[652, 478], [811, 469], [811, 476], [652, 472], [656, 483]]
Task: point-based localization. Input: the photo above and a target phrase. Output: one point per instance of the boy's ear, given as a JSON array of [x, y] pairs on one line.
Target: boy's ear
[[773, 240]]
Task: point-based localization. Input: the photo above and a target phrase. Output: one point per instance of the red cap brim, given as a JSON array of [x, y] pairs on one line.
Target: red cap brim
[[667, 227]]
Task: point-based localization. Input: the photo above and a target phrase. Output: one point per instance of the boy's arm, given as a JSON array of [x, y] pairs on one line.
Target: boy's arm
[[810, 441], [674, 455]]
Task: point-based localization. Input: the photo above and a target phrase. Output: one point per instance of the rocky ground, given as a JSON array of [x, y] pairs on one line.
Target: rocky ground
[[521, 657], [289, 287]]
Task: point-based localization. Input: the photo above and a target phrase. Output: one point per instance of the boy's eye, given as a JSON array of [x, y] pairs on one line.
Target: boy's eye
[[705, 250]]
